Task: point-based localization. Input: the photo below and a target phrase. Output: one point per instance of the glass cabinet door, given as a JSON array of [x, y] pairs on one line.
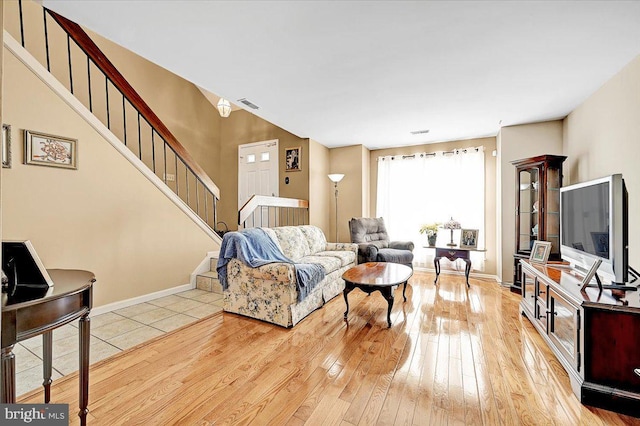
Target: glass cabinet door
[[528, 204], [563, 327], [552, 209], [529, 293]]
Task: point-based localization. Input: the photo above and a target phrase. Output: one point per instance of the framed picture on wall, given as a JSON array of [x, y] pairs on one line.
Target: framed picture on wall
[[293, 158], [47, 150]]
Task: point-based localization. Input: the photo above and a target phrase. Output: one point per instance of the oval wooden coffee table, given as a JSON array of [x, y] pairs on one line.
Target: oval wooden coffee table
[[377, 276]]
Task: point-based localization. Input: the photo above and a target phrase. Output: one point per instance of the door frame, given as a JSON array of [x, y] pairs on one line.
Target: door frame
[[277, 163]]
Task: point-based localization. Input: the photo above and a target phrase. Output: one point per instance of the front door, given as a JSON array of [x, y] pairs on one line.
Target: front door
[[257, 173]]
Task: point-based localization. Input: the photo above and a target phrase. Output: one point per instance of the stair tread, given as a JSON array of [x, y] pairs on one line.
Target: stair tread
[[209, 274]]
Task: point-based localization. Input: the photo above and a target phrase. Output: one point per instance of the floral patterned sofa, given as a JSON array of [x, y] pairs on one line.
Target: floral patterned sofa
[[269, 292]]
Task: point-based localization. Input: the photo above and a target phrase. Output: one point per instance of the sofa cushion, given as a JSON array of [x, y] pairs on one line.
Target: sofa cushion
[[395, 256], [346, 257], [292, 242], [329, 263], [315, 238]]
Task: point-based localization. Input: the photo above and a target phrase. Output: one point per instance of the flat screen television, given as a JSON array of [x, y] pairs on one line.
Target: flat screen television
[[594, 225]]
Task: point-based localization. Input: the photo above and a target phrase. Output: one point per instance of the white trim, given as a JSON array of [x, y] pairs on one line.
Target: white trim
[[267, 143], [30, 62], [453, 272], [140, 299], [204, 266]]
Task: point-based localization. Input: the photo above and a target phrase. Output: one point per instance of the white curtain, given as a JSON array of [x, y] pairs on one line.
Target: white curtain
[[424, 188]]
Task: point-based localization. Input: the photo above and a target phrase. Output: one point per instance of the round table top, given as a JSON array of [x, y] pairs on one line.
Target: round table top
[[378, 273], [66, 282]]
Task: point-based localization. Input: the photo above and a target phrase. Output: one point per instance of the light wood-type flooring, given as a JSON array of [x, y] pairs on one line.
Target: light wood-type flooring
[[452, 356]]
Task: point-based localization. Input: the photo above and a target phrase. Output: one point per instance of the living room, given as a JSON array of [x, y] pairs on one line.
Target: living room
[[112, 222]]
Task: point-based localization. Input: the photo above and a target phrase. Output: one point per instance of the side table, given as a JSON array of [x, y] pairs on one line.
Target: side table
[[33, 311], [453, 253]]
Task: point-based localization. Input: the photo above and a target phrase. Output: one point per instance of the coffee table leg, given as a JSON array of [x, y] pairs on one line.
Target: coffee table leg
[[387, 293], [347, 289], [404, 289]]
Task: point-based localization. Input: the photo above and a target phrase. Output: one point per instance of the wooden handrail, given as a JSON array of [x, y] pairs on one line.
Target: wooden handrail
[[267, 201], [88, 46]]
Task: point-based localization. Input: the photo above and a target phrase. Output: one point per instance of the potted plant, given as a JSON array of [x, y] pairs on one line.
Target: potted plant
[[431, 230]]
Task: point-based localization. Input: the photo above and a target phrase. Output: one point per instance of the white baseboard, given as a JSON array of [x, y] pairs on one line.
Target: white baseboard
[[140, 299], [452, 272]]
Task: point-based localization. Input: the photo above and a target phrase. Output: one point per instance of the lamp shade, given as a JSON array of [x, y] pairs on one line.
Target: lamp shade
[[224, 107], [452, 224], [336, 177]]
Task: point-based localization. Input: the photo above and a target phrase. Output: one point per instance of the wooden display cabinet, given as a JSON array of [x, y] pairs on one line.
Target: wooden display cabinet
[[538, 182]]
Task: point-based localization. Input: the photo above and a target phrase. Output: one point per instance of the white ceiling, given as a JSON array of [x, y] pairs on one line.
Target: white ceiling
[[370, 72]]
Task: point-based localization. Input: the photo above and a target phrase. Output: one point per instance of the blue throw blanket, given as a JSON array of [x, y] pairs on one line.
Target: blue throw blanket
[[255, 248]]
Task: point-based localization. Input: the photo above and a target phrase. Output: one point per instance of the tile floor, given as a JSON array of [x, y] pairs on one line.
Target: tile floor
[[111, 333]]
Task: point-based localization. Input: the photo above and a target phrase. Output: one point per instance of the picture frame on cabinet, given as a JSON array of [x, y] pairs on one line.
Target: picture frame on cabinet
[[540, 252], [590, 274]]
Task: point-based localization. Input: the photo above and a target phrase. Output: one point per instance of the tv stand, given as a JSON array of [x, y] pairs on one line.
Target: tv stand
[[592, 333]]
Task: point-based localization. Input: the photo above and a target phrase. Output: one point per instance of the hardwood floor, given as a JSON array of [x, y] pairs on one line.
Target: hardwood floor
[[452, 356]]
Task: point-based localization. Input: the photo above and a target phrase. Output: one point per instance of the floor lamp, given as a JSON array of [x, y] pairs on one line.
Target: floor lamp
[[335, 178]]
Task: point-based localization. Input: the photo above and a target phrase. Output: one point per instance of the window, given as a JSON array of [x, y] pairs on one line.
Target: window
[[251, 158], [424, 188], [264, 156]]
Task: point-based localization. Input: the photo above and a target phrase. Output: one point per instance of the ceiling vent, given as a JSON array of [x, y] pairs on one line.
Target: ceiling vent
[[420, 132], [248, 103]]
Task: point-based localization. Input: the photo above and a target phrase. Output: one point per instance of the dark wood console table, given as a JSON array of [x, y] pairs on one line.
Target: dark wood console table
[[593, 334], [31, 311], [453, 253]]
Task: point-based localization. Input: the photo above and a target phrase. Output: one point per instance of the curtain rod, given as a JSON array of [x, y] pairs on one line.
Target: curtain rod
[[433, 154]]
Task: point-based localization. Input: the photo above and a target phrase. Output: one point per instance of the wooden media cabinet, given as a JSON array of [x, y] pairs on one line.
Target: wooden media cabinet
[[594, 335]]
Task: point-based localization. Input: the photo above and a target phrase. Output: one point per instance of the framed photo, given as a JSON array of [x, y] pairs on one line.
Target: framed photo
[[469, 238], [540, 252], [293, 157], [6, 146], [592, 271], [48, 150]]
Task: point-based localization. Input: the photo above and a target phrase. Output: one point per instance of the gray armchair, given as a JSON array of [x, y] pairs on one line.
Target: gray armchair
[[374, 245]]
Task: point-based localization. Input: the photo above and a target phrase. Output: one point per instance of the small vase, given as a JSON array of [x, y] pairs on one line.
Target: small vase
[[432, 240]]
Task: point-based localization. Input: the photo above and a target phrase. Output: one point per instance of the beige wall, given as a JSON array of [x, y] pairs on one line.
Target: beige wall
[[602, 137], [1, 113], [349, 161], [518, 142], [105, 217], [319, 186], [366, 182], [242, 127], [211, 140], [180, 105], [490, 177]]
